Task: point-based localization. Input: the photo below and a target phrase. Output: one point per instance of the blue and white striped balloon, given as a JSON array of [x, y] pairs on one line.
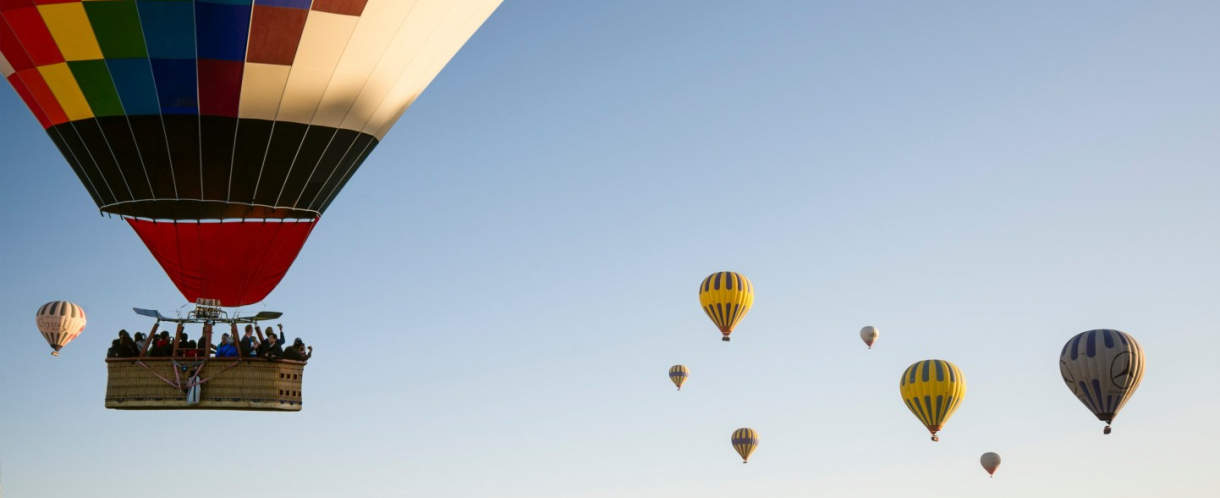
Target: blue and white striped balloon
[[1102, 368]]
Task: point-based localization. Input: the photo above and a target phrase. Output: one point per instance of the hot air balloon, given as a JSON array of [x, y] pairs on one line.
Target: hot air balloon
[[745, 440], [678, 375], [726, 297], [990, 461], [869, 334], [221, 131], [1102, 368], [932, 390], [60, 322]]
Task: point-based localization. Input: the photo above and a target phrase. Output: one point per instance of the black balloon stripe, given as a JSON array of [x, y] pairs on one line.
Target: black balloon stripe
[[207, 167]]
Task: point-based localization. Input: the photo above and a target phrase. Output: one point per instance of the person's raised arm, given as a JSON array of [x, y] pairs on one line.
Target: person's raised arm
[[309, 354], [281, 341], [152, 337]]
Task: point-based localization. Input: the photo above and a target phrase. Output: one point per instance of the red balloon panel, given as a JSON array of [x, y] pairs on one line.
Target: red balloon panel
[[237, 262]]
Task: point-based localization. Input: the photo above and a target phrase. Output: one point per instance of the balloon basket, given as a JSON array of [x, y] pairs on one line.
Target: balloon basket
[[217, 384]]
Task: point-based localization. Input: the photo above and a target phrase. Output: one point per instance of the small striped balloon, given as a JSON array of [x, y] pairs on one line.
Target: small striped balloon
[[745, 440], [678, 375], [60, 322]]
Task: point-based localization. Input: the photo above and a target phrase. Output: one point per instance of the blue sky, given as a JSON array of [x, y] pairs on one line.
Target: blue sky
[[497, 295]]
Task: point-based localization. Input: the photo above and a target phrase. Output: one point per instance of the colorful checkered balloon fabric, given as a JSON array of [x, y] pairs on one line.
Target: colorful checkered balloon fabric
[[244, 111]]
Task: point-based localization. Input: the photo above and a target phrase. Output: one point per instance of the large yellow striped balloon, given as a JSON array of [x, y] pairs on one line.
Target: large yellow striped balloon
[[933, 389], [726, 297], [745, 440], [678, 375]]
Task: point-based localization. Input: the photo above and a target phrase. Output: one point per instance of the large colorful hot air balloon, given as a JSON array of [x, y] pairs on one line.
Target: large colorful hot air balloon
[[745, 440], [726, 297], [991, 462], [869, 334], [932, 390], [678, 375], [1102, 368], [221, 130], [60, 322]]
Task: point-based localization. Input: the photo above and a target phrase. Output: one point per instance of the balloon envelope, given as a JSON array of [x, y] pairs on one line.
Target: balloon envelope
[[60, 322], [745, 440], [678, 375], [232, 124], [726, 297], [869, 334], [933, 390], [990, 461], [1102, 368]]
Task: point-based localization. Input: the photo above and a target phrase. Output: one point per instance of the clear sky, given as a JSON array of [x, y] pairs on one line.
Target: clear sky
[[496, 297]]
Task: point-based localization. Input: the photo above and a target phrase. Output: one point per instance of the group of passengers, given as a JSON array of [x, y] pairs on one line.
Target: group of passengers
[[266, 345]]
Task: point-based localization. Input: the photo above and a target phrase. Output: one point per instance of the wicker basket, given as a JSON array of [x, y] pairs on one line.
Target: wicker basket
[[226, 384]]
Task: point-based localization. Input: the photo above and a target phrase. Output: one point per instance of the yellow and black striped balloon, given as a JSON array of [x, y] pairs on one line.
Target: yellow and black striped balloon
[[678, 374], [745, 440], [932, 390], [726, 297]]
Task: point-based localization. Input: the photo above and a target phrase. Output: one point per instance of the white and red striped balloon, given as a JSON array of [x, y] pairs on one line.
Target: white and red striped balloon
[[60, 322]]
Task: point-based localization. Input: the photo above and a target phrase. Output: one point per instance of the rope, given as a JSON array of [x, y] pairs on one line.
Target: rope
[[154, 372], [177, 382], [223, 370]]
